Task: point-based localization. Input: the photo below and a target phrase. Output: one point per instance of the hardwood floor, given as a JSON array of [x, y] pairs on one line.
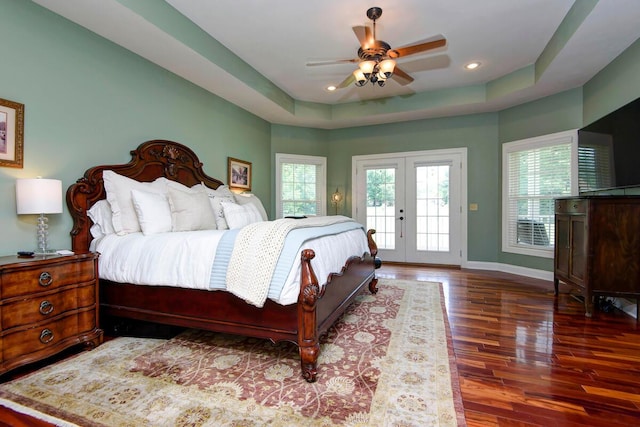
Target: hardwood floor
[[527, 358]]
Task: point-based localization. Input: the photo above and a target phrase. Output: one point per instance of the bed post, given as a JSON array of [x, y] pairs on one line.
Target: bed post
[[373, 250], [308, 341]]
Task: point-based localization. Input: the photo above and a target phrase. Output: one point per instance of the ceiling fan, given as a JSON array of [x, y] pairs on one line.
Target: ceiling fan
[[376, 59]]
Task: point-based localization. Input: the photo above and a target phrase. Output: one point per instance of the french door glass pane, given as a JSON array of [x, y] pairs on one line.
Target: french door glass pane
[[381, 193], [432, 208]]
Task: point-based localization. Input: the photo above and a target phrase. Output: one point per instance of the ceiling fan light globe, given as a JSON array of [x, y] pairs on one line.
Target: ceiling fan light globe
[[367, 67], [387, 66], [361, 79]]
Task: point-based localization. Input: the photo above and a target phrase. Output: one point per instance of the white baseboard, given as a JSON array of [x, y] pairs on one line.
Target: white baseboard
[[623, 304], [507, 268]]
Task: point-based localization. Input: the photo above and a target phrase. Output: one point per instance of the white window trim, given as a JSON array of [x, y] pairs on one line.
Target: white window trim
[[528, 144], [321, 183]]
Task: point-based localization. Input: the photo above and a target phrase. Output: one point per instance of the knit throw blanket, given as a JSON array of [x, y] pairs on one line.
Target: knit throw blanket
[[256, 252]]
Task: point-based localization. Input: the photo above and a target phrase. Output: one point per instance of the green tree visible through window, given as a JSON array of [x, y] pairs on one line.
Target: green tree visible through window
[[299, 189], [380, 187]]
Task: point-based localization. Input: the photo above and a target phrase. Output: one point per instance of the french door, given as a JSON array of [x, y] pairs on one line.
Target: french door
[[414, 202]]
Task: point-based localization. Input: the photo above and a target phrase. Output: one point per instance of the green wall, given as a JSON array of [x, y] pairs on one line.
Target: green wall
[[479, 133], [552, 114], [301, 141], [616, 85], [88, 101]]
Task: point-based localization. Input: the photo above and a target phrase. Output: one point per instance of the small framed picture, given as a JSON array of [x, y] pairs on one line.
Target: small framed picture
[[239, 174], [11, 133]]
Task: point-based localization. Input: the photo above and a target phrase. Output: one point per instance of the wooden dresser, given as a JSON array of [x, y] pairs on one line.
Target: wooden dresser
[[47, 304], [597, 246]]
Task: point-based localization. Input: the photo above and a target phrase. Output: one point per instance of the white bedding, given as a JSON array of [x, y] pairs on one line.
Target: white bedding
[[184, 259]]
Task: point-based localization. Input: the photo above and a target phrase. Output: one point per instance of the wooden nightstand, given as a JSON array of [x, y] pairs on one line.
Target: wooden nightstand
[[47, 304]]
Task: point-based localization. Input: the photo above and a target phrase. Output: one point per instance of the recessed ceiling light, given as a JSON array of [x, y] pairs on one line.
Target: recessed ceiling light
[[472, 65], [331, 88]]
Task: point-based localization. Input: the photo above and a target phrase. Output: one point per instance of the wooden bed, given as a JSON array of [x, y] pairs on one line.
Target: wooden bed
[[302, 323]]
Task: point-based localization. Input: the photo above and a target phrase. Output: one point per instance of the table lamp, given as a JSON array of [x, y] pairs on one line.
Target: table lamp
[[39, 196]]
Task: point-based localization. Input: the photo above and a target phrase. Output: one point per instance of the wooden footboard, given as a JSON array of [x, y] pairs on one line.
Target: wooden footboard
[[319, 309]]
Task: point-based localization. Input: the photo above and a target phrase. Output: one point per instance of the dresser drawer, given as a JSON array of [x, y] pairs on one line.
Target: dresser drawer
[[37, 278], [571, 206], [35, 310], [48, 334]]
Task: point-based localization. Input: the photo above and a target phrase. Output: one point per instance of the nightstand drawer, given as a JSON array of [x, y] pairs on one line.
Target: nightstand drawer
[[35, 310], [32, 279], [47, 335]]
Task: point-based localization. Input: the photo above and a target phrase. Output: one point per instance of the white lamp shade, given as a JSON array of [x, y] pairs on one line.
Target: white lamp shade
[[387, 66], [367, 67], [360, 78], [38, 196]]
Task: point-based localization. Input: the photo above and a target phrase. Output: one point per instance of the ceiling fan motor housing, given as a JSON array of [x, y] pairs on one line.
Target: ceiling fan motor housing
[[375, 52]]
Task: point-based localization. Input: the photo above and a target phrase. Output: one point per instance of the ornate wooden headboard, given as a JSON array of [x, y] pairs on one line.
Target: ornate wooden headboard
[[151, 160]]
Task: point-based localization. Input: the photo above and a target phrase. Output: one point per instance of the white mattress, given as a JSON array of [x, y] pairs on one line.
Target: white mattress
[[184, 259]]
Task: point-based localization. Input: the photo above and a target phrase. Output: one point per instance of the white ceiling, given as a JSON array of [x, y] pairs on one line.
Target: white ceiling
[[278, 38]]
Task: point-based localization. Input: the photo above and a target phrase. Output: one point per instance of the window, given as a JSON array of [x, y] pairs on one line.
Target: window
[[300, 185], [534, 172]]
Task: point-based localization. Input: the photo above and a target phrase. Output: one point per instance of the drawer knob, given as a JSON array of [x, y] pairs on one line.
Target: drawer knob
[[46, 336], [45, 278], [46, 307]]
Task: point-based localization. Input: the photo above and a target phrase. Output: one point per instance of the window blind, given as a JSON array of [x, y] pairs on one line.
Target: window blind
[[299, 189], [536, 176]]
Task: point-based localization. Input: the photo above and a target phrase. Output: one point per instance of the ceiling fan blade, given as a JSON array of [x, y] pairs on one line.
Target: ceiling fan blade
[[364, 35], [401, 77], [346, 82], [416, 48], [335, 61]]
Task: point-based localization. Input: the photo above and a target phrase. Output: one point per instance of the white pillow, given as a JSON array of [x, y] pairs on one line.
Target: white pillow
[[244, 198], [100, 214], [218, 212], [154, 213], [240, 215], [118, 190], [220, 194], [190, 210]]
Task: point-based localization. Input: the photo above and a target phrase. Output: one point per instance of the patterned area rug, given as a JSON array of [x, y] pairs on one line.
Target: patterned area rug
[[387, 362]]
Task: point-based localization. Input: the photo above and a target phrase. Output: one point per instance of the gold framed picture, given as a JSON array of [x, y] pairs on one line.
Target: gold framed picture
[[11, 133], [239, 174]]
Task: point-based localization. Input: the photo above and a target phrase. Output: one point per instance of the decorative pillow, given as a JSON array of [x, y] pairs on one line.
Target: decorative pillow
[[153, 210], [118, 190], [238, 216], [245, 198], [218, 212], [100, 214], [190, 210], [216, 197]]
